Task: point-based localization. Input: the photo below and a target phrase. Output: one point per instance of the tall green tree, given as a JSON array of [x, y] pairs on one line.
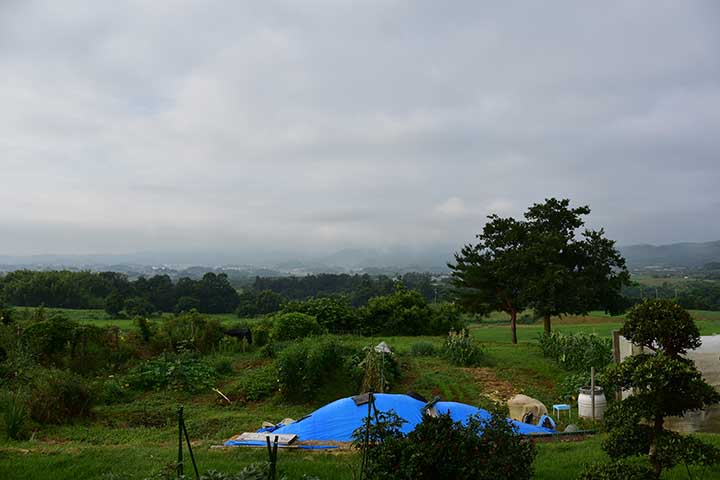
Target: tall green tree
[[493, 275], [570, 273]]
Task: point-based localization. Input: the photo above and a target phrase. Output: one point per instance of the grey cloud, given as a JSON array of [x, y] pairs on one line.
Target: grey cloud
[[328, 124]]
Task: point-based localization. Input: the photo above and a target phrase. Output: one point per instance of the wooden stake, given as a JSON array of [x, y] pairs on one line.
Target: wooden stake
[[592, 391]]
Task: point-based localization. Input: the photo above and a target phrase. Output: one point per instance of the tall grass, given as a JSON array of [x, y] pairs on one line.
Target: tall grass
[[14, 414]]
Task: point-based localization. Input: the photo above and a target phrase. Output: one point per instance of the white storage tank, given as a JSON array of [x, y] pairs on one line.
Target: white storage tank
[[585, 403]]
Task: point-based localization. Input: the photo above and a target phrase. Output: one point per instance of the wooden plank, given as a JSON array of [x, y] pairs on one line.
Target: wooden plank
[[285, 438], [616, 346]]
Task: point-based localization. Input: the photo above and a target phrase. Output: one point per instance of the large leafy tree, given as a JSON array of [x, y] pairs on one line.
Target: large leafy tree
[[571, 273], [663, 384], [540, 262], [493, 275]]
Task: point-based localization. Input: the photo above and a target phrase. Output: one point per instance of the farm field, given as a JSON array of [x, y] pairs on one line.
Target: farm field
[[137, 439]]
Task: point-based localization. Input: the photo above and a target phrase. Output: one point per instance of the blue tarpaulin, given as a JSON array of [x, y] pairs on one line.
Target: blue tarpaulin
[[336, 421]]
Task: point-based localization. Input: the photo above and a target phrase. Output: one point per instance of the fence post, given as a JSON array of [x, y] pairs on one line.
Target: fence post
[[272, 454], [180, 439], [592, 391]]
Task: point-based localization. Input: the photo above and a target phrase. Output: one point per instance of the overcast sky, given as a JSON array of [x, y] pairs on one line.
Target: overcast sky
[[324, 124]]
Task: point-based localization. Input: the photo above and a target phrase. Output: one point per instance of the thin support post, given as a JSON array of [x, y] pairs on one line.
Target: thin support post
[[180, 439], [192, 456], [592, 391], [272, 454], [363, 462]]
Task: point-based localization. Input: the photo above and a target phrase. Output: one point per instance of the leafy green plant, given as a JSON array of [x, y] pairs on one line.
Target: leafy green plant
[[261, 332], [174, 372], [479, 449], [422, 349], [333, 313], [58, 396], [289, 326], [304, 366], [577, 352], [14, 414], [146, 328], [190, 331], [461, 349], [109, 391], [255, 384], [372, 370]]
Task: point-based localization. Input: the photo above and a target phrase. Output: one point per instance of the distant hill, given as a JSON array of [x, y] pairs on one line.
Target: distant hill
[[691, 255]]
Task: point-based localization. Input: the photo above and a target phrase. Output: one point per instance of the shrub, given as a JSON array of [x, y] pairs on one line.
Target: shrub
[[373, 371], [191, 331], [480, 449], [255, 384], [14, 414], [460, 349], [147, 329], [90, 349], [577, 352], [109, 391], [138, 306], [526, 319], [302, 367], [48, 338], [222, 365], [186, 304], [261, 332], [422, 349], [333, 313], [404, 312], [174, 372], [289, 326], [445, 317], [58, 396]]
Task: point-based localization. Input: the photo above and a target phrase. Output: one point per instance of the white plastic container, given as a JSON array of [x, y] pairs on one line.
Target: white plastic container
[[585, 403]]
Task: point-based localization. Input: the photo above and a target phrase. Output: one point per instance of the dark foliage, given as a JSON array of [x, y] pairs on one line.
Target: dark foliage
[[304, 366], [406, 312], [663, 384], [116, 294], [440, 448], [58, 396]]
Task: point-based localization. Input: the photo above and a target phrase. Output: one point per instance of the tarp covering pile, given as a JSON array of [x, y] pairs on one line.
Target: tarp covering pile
[[336, 421]]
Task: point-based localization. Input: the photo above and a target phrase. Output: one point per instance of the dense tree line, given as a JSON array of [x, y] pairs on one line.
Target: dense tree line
[[693, 295], [213, 293], [116, 293], [359, 289]]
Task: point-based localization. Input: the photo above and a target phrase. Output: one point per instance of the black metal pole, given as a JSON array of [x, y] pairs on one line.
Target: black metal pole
[[180, 439], [192, 456], [272, 456]]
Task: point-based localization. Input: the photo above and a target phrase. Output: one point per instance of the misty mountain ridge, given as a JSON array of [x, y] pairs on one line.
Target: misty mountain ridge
[[348, 260]]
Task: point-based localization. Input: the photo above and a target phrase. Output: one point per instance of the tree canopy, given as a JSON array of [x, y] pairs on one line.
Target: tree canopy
[[540, 262]]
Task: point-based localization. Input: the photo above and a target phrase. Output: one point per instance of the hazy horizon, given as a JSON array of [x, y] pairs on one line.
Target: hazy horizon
[[319, 126]]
